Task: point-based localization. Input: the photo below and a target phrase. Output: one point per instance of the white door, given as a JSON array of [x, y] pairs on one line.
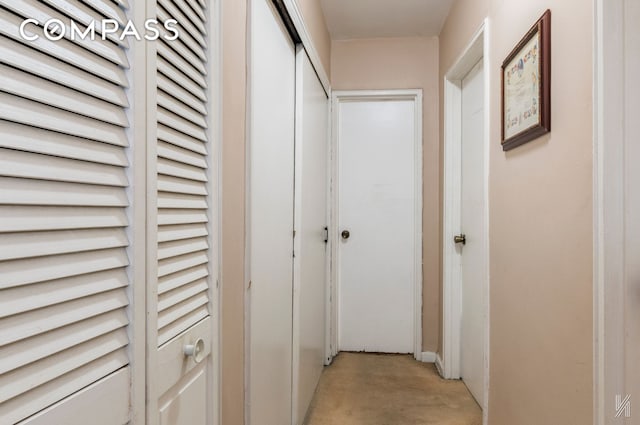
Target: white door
[[181, 273], [472, 332], [65, 333], [271, 186], [310, 242], [377, 224]]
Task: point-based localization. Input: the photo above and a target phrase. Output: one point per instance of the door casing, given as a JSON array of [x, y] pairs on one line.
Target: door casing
[[612, 131], [448, 361], [414, 95]]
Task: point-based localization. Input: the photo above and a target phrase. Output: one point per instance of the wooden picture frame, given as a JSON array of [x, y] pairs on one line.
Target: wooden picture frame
[[526, 87]]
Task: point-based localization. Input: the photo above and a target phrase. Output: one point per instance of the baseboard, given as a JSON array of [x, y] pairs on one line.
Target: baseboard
[[428, 357], [439, 365]]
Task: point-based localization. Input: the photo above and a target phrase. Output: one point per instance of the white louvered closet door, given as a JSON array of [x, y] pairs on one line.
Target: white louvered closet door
[[63, 200], [180, 216]]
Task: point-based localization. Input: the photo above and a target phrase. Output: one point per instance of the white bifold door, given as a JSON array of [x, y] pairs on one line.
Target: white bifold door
[[287, 219], [90, 225], [180, 258], [63, 220]]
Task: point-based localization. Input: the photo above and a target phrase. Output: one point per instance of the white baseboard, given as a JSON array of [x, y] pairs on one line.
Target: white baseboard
[[428, 357], [439, 365]]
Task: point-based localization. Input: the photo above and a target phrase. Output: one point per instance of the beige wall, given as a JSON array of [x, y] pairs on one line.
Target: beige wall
[[540, 222], [233, 209], [313, 17], [403, 63], [234, 91]]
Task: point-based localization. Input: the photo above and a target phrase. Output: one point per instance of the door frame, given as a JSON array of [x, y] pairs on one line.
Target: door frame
[[608, 207], [338, 97], [448, 361]]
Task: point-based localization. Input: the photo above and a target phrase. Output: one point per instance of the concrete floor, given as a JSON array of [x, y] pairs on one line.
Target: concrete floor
[[383, 389]]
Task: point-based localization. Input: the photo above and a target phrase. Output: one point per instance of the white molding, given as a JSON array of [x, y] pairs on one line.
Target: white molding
[[137, 213], [298, 22], [451, 269], [151, 109], [297, 241], [439, 366], [215, 207], [333, 232], [449, 359], [608, 204], [361, 95], [428, 357]]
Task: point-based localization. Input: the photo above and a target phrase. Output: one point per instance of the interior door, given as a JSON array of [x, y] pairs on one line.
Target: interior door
[[377, 196], [271, 187], [472, 332], [310, 287], [64, 231], [180, 244]]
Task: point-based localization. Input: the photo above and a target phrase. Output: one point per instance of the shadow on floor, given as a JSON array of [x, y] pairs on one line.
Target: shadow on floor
[[386, 389]]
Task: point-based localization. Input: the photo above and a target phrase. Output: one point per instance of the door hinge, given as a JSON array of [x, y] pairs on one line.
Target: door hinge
[[326, 235]]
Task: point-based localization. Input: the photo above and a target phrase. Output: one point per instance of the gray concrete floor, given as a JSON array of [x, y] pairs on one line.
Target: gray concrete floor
[[384, 389]]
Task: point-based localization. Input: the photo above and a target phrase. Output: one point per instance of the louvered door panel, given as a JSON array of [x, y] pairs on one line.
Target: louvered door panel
[[63, 220], [182, 172]]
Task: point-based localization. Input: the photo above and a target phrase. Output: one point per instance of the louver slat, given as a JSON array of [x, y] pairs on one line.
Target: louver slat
[[25, 219], [30, 139], [63, 218], [185, 24], [36, 10], [85, 15], [28, 112], [64, 50], [48, 93], [22, 57]]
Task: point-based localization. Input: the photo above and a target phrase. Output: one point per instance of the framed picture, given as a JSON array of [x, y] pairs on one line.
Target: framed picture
[[526, 87]]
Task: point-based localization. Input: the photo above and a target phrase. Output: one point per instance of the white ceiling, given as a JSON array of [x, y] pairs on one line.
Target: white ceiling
[[384, 18]]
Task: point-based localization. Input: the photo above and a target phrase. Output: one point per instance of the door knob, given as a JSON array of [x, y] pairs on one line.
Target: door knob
[[195, 350], [345, 234], [460, 239]]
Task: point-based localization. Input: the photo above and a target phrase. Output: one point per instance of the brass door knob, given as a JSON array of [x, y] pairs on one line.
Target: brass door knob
[[345, 234], [460, 239]]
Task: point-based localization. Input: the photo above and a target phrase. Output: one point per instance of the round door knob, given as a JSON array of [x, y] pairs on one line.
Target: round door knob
[[195, 350], [345, 234]]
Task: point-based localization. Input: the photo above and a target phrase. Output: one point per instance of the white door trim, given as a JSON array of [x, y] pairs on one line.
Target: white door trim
[[350, 96], [215, 203], [608, 204], [477, 49]]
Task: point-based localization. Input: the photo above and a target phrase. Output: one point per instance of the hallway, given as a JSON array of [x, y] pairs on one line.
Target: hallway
[[383, 389]]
